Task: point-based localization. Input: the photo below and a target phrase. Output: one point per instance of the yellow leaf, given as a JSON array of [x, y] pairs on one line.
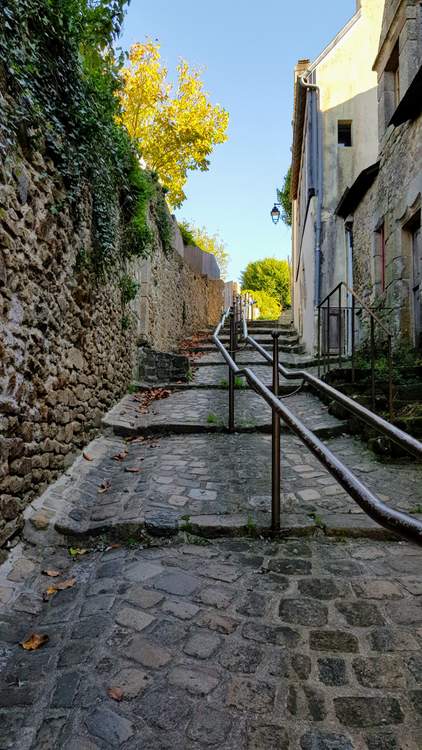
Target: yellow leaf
[[176, 127]]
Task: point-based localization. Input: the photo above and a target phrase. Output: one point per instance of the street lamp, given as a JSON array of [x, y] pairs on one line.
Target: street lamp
[[275, 213]]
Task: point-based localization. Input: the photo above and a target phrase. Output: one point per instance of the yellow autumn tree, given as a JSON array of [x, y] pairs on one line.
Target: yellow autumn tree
[[176, 127]]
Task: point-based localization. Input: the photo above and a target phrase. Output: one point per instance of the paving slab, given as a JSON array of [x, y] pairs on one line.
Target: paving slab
[[308, 644]]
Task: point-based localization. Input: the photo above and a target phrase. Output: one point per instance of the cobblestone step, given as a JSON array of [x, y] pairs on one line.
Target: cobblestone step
[[197, 410], [289, 348], [212, 485]]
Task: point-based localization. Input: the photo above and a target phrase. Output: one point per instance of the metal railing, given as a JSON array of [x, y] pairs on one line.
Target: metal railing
[[337, 336], [396, 521]]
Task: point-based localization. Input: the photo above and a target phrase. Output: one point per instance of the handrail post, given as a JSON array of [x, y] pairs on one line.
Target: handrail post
[[390, 376], [353, 339], [328, 334], [275, 473], [372, 363], [319, 341], [231, 373], [339, 326]]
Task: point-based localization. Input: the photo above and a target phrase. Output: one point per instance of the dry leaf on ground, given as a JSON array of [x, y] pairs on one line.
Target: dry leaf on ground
[[61, 586], [104, 487], [87, 456], [115, 693], [34, 641], [112, 546], [154, 394], [120, 456], [51, 573]]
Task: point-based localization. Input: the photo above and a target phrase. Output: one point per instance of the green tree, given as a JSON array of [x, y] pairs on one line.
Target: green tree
[[269, 275], [209, 243], [269, 308], [285, 199]]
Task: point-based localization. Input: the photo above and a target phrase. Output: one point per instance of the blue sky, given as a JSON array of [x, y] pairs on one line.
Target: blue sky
[[248, 51]]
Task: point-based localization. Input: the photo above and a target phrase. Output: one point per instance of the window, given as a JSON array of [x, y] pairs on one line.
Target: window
[[344, 133]]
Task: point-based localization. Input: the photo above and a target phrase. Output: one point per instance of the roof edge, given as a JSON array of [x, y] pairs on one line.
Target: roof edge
[[353, 195]]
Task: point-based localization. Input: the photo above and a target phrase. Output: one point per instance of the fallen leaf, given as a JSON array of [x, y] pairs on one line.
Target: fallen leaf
[[115, 693], [34, 641], [120, 456], [112, 546], [61, 586], [77, 551], [87, 456], [132, 469], [104, 487], [51, 573]]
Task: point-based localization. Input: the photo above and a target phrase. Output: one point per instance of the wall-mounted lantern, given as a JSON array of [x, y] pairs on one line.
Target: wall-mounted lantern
[[275, 213]]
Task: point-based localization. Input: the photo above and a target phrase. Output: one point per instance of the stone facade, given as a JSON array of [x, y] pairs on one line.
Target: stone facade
[[388, 215], [392, 202]]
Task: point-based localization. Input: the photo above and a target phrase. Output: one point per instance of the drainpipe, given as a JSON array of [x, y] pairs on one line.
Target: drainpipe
[[312, 87]]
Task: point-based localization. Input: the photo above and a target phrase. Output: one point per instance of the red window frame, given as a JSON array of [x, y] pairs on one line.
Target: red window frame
[[382, 254]]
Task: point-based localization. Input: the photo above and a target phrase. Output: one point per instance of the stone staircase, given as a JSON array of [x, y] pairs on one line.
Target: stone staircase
[[261, 331]]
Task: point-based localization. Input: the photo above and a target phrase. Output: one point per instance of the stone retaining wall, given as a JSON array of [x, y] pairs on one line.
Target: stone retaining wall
[[175, 300], [64, 356], [161, 367]]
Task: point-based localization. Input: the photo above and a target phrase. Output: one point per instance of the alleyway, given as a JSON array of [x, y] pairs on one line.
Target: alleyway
[[181, 626]]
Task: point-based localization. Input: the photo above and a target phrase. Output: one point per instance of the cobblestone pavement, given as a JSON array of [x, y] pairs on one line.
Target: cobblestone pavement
[[237, 645], [235, 642], [208, 409]]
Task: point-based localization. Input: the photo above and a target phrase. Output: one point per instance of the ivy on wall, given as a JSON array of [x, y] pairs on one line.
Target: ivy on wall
[[60, 76]]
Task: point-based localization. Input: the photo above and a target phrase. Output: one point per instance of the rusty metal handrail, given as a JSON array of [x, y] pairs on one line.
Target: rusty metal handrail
[[396, 521], [401, 438]]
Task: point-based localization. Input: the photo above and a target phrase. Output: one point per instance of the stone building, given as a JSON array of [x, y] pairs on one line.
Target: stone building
[[334, 140], [382, 207]]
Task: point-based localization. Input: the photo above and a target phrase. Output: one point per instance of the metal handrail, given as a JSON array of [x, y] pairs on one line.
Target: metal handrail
[[396, 521], [361, 302], [373, 319], [401, 438]]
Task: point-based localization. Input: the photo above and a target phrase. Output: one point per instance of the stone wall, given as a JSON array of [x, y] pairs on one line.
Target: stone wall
[[157, 368], [174, 299], [64, 358]]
